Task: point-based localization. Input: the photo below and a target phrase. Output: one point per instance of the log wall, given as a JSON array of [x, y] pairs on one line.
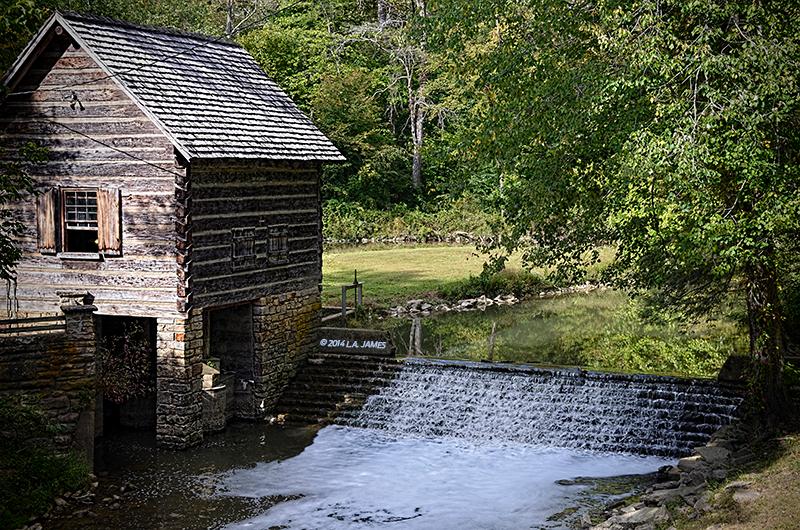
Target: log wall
[[179, 228], [227, 196], [142, 281]]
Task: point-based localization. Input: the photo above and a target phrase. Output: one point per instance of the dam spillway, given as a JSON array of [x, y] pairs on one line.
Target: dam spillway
[[571, 408]]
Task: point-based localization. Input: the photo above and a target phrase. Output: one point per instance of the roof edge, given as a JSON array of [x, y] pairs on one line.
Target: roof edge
[[23, 58], [109, 21], [115, 77]]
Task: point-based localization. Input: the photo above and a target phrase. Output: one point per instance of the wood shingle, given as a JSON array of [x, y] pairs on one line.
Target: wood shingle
[[207, 95]]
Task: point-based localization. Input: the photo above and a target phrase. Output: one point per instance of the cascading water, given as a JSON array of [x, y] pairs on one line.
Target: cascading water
[[640, 414], [466, 445]]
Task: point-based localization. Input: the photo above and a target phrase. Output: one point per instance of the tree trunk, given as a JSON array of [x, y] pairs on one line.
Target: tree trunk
[[416, 163], [417, 118], [383, 12], [767, 345], [229, 19]]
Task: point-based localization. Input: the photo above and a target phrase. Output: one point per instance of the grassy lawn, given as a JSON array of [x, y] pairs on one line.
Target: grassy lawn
[[394, 274]]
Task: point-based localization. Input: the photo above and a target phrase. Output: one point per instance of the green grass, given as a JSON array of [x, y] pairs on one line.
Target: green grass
[[602, 330], [394, 274]]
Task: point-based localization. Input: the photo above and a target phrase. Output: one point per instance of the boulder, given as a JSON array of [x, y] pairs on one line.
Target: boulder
[[735, 369], [690, 463], [715, 456]]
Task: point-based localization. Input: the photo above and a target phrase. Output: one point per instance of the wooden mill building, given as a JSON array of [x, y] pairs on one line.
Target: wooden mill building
[[182, 189]]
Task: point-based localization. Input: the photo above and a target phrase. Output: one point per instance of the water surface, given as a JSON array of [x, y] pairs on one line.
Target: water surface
[[366, 478], [261, 476]]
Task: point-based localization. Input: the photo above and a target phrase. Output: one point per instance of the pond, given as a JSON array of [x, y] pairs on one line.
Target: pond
[[600, 330], [262, 476]]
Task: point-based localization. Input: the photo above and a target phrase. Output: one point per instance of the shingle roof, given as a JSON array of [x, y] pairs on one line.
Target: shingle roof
[[209, 95]]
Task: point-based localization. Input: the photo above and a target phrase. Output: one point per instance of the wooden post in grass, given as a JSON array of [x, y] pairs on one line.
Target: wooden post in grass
[[415, 337], [491, 342]]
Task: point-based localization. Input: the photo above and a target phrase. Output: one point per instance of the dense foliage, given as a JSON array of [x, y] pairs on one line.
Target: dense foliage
[[666, 128], [31, 472], [127, 368]]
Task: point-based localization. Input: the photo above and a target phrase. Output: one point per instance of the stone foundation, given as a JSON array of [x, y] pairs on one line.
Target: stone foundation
[[285, 330], [179, 346]]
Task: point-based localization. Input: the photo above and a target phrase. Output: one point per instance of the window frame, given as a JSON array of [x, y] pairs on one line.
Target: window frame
[[62, 214], [243, 237], [52, 222]]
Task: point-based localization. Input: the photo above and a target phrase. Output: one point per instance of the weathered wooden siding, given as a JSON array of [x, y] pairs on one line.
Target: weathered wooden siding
[[143, 281], [228, 195]]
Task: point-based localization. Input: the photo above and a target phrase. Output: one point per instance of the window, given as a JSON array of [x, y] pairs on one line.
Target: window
[[243, 248], [278, 248], [79, 222]]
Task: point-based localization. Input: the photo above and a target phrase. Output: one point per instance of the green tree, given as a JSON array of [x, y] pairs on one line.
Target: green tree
[[668, 128], [15, 184]]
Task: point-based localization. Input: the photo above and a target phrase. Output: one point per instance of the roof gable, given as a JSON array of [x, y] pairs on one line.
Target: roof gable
[[208, 96]]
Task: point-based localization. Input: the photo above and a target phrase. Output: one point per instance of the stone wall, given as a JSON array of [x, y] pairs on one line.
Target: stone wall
[[285, 330], [179, 370], [55, 371]]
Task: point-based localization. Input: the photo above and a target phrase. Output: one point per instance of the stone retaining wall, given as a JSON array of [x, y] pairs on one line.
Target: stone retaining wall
[[285, 331], [55, 371]]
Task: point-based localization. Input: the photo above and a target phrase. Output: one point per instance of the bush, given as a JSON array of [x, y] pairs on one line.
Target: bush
[[630, 353], [351, 222], [126, 367], [32, 473], [521, 284], [790, 302]]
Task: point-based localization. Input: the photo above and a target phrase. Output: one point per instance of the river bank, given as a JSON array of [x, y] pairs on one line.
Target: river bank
[[746, 478]]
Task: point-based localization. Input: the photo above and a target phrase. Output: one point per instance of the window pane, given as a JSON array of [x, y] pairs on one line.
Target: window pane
[[80, 209]]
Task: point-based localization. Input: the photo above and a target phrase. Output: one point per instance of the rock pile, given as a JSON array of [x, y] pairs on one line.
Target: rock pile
[[421, 308], [457, 237], [86, 503], [684, 487]]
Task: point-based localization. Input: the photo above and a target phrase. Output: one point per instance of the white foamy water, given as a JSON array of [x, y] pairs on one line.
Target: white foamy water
[[366, 478]]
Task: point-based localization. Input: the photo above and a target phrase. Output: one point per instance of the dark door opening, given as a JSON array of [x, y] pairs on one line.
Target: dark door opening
[[126, 371], [231, 343]]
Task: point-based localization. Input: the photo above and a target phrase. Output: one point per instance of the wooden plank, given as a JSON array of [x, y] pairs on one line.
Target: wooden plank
[[254, 280], [26, 320], [253, 189], [90, 168], [109, 216], [91, 128], [251, 293], [209, 223], [253, 206], [30, 329], [46, 209], [99, 279]]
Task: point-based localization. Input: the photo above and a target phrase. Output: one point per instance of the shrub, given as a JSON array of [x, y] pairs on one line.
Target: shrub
[[126, 367], [351, 222], [521, 284], [32, 472]]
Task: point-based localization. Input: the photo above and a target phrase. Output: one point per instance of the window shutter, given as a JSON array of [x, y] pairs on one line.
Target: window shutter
[[46, 209], [109, 221]]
